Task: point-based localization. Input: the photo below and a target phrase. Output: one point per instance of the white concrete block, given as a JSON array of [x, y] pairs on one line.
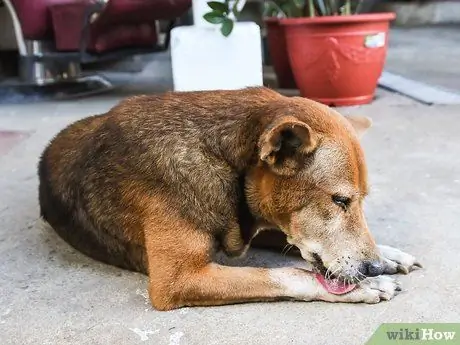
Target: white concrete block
[[203, 59]]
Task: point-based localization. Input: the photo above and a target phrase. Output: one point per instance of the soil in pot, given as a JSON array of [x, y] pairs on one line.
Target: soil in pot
[[337, 60]]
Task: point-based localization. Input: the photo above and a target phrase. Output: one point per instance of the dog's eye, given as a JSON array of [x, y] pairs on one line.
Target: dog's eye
[[341, 201]]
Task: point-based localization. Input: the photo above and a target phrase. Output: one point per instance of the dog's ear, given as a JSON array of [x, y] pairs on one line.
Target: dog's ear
[[285, 143], [360, 123]]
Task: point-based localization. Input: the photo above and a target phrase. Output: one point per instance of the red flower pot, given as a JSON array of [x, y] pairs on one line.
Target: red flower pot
[[337, 60], [278, 53]]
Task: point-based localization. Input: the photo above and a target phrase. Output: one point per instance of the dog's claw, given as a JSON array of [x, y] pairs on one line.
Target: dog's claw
[[403, 269], [386, 287], [406, 269], [397, 261], [417, 265]]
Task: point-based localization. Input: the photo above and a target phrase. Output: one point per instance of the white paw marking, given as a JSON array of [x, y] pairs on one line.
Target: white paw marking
[[397, 260], [295, 283], [377, 289]]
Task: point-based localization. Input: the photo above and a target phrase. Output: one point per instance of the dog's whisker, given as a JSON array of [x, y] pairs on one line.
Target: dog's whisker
[[338, 269], [286, 249], [329, 271], [334, 269], [339, 276], [290, 247], [359, 277]]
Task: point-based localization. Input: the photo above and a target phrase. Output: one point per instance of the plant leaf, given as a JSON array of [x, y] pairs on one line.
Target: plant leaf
[[286, 8], [321, 7], [269, 9], [227, 27], [299, 3], [214, 17], [218, 6]]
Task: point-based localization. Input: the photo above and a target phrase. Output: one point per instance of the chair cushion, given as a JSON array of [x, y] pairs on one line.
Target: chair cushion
[[123, 36], [136, 11], [35, 17], [122, 23], [67, 22]]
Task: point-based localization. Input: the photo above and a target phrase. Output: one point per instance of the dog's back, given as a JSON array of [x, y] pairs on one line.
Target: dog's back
[[94, 173]]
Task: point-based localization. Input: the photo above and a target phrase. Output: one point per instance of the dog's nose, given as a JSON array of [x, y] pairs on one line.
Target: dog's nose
[[371, 268]]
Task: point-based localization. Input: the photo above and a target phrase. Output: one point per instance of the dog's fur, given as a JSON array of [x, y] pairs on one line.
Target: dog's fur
[[159, 183]]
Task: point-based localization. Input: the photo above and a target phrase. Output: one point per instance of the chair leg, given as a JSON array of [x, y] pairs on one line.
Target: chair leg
[[17, 28], [171, 25]]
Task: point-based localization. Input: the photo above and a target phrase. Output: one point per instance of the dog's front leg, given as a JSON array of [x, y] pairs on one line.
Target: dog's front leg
[[181, 273], [397, 261], [215, 284]]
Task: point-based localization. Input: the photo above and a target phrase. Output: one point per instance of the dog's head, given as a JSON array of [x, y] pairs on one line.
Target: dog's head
[[310, 181]]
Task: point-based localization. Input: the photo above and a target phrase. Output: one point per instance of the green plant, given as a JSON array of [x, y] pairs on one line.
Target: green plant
[[224, 13], [311, 8]]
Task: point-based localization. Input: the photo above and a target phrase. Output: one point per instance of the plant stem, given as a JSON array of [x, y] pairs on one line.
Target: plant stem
[[311, 8], [333, 7], [285, 15], [347, 9], [234, 9], [358, 8]]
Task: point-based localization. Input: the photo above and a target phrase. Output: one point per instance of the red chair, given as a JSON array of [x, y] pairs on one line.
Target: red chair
[[56, 36]]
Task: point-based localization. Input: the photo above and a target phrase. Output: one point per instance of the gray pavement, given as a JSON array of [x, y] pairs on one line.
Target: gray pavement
[[426, 54], [51, 294]]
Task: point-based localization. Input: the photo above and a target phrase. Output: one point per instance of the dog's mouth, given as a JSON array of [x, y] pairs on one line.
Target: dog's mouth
[[333, 284]]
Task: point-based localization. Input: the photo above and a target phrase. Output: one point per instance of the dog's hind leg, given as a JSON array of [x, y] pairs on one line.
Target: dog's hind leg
[[397, 261]]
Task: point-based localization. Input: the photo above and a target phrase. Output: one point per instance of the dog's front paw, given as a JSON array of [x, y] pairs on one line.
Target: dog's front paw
[[371, 290], [396, 261], [374, 290], [377, 289]]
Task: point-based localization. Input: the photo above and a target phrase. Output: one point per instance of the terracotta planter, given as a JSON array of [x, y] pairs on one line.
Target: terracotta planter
[[337, 60], [278, 53]]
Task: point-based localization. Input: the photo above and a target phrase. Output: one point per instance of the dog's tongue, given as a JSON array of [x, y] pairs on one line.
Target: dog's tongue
[[335, 286]]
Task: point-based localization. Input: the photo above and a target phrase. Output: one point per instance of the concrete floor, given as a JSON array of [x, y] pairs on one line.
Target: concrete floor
[[51, 294], [426, 54]]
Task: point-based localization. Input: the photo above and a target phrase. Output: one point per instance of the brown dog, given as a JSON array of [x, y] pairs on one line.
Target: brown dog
[[159, 183]]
